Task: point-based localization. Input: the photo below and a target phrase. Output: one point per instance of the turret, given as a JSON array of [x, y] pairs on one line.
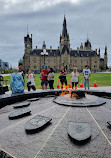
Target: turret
[[27, 50], [99, 52], [105, 50], [81, 46], [87, 45], [28, 42], [105, 58], [44, 45]]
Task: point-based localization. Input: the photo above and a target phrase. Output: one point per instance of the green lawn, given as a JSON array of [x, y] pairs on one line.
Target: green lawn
[[102, 79]]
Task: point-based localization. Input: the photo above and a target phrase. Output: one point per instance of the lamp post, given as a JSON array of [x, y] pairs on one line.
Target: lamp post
[[44, 53]]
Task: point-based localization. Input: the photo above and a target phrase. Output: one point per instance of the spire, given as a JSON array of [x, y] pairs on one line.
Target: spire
[[105, 50], [64, 31], [99, 52], [64, 23], [44, 45]]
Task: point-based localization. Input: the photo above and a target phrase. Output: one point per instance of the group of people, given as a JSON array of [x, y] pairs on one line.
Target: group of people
[[47, 77], [75, 77]]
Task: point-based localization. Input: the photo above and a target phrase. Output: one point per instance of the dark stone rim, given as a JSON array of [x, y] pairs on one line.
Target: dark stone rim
[[11, 99], [92, 104]]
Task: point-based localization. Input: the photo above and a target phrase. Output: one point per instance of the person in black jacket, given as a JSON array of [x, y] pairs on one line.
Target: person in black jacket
[[21, 71], [62, 77]]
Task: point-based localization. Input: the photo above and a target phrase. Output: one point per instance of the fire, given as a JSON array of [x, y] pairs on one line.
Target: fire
[[72, 95], [66, 87]]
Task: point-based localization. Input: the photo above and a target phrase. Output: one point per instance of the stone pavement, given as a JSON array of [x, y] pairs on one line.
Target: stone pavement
[[53, 141]]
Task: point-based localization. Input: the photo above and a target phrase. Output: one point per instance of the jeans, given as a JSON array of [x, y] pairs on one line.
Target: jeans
[[86, 82]]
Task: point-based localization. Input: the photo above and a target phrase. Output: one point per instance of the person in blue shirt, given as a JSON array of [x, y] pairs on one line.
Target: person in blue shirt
[[17, 83]]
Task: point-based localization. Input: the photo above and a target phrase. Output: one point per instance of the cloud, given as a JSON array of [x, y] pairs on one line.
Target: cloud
[[17, 6], [86, 17]]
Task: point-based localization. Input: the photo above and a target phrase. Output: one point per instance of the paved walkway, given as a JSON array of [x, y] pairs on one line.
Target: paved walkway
[[53, 141], [5, 75]]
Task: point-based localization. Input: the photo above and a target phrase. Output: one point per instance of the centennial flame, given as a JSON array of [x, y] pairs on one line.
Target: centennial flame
[[71, 94]]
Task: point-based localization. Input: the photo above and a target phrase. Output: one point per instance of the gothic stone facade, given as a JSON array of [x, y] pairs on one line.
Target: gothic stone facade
[[64, 55]]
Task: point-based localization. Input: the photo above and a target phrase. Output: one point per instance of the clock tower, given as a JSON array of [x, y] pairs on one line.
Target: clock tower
[[27, 50]]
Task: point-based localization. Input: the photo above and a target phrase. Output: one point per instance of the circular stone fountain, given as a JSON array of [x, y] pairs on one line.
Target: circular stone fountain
[[79, 99]]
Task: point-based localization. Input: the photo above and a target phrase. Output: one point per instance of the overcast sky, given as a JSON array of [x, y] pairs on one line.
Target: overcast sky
[[45, 19]]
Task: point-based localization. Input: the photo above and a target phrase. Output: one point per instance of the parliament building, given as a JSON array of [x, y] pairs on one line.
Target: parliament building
[[63, 55]]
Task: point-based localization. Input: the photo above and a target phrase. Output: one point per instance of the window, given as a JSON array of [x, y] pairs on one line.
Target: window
[[34, 60], [34, 66]]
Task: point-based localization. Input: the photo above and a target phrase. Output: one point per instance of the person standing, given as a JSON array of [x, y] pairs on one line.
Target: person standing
[[21, 71], [62, 77], [86, 75], [17, 83], [74, 78], [44, 77], [30, 83], [51, 78]]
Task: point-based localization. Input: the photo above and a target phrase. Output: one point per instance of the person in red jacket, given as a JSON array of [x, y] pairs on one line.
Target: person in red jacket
[[44, 77]]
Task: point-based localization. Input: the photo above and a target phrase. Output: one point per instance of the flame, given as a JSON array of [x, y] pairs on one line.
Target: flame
[[66, 90], [66, 87], [73, 95]]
